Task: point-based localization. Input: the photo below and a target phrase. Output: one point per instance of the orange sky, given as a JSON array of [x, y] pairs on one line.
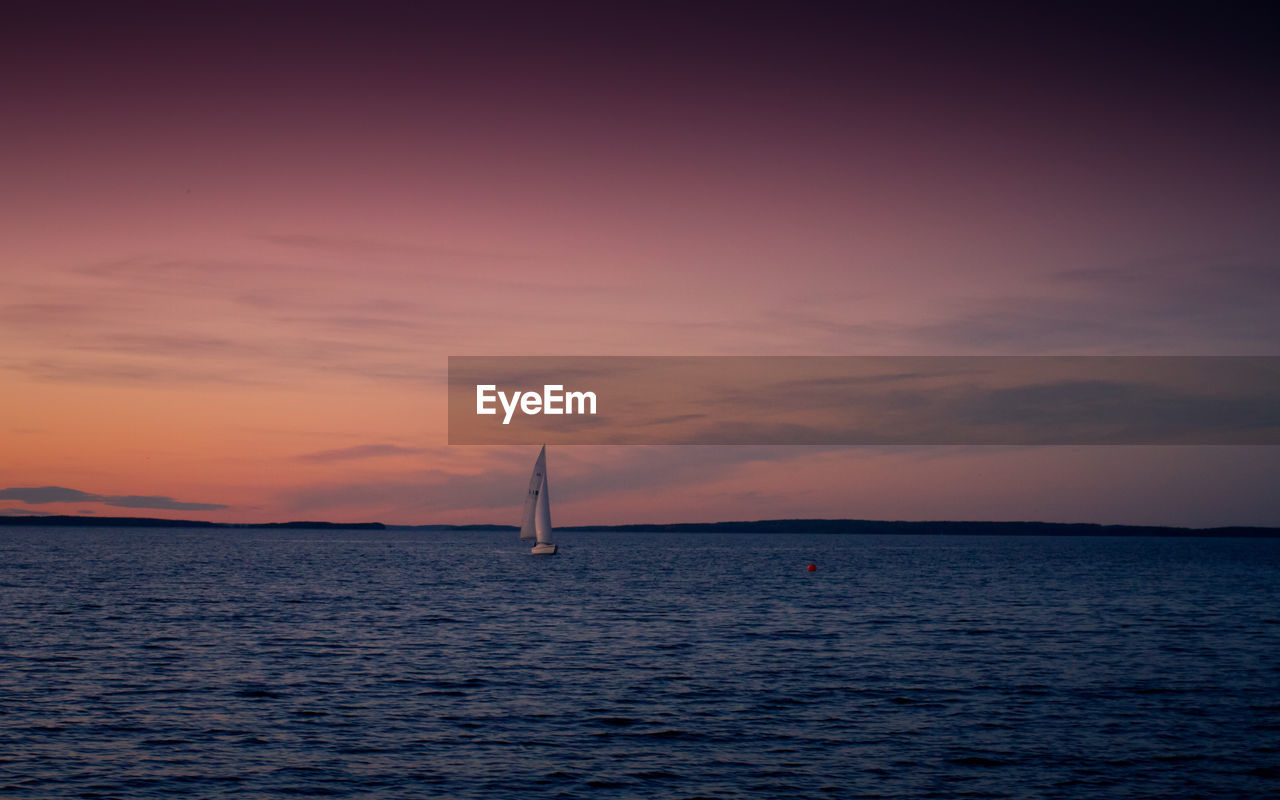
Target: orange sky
[[236, 253]]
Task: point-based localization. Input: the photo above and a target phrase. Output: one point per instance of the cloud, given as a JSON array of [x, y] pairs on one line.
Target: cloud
[[1181, 305], [127, 372], [155, 501], [23, 512], [594, 472], [435, 491], [37, 495], [1187, 304], [1155, 408], [1037, 325], [362, 451], [157, 320], [47, 494], [349, 246]]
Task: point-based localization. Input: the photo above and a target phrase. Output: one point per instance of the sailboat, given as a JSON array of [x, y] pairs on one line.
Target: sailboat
[[536, 522]]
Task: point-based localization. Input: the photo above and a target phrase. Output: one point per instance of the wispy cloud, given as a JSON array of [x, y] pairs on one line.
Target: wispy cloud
[[1192, 304], [1178, 305], [140, 371], [157, 501], [362, 451], [348, 246], [592, 473], [38, 495], [46, 494], [164, 320]]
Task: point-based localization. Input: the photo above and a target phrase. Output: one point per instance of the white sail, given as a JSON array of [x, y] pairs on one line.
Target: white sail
[[531, 499], [541, 516], [542, 521]]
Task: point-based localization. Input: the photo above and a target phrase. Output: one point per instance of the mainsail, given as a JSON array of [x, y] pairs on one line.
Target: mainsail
[[542, 521], [537, 510], [531, 499]]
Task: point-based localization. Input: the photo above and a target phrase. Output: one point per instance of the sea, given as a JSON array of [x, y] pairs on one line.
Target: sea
[[249, 663]]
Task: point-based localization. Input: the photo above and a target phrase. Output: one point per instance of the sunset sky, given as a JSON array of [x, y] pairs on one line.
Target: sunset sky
[[239, 241]]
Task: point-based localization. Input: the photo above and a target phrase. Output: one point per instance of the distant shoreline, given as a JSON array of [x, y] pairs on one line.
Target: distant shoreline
[[779, 526]]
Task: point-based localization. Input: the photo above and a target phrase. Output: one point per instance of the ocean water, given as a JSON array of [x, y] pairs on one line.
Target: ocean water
[[394, 664]]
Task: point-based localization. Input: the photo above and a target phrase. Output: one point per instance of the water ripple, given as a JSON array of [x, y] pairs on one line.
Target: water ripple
[[163, 663]]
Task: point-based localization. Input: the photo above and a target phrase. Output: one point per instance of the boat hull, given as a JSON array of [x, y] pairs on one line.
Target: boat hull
[[543, 549]]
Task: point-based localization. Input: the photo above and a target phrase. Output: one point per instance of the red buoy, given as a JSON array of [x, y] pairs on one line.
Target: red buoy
[[813, 567]]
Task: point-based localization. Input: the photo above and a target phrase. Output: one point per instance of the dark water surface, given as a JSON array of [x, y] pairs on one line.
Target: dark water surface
[[250, 663]]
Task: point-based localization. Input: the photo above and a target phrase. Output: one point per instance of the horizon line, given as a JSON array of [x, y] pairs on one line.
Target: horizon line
[[781, 525]]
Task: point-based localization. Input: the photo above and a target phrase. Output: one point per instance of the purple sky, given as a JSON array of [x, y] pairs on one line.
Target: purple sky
[[239, 241]]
